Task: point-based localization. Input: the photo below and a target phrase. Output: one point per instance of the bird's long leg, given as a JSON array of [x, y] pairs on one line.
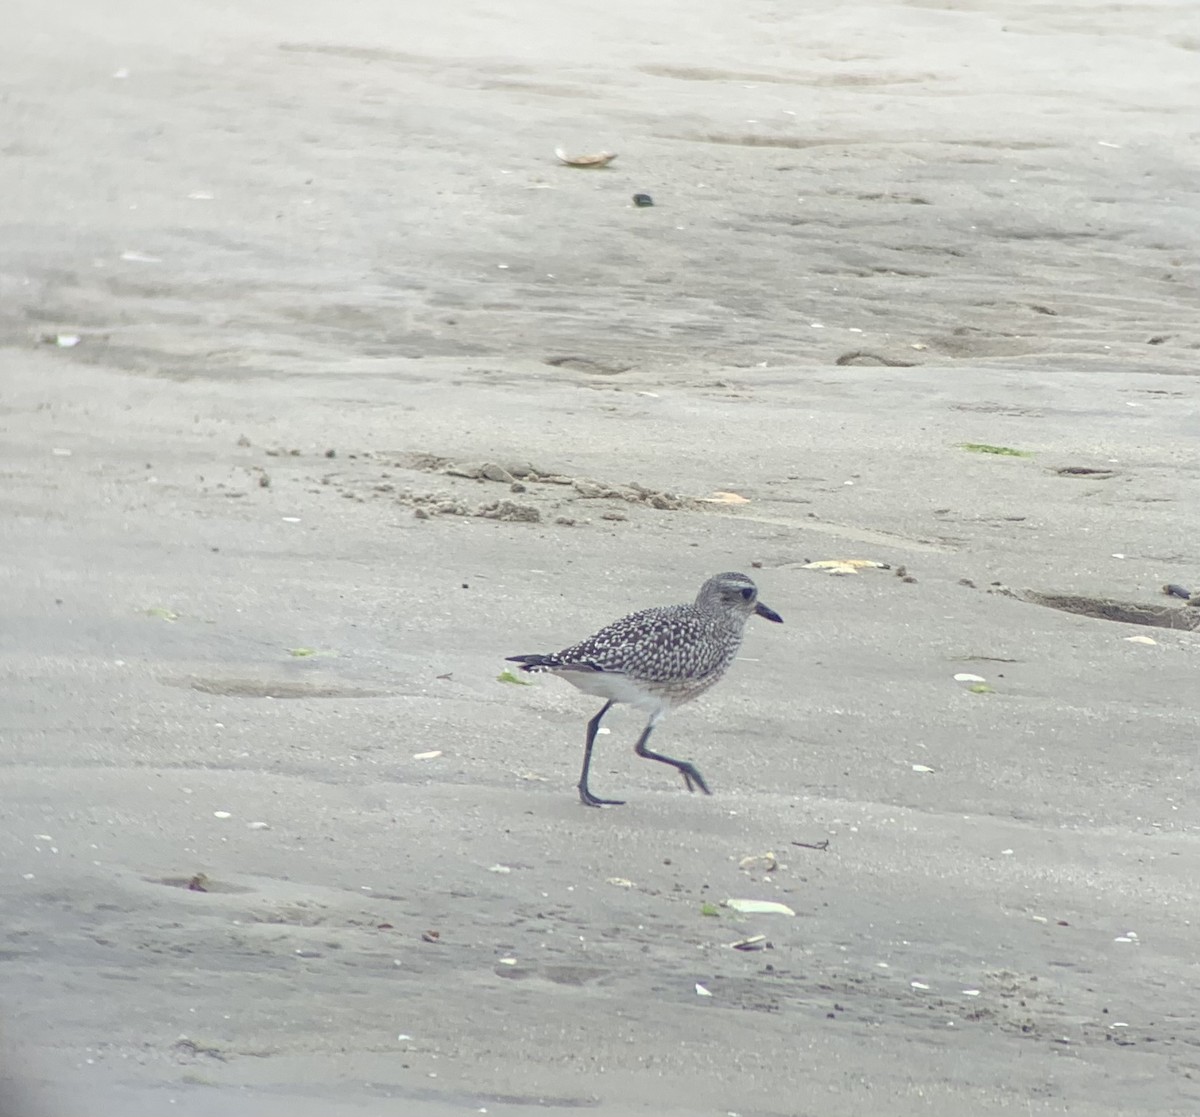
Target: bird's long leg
[[691, 775], [585, 796]]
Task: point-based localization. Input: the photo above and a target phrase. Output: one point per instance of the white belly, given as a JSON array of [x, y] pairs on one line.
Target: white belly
[[615, 688]]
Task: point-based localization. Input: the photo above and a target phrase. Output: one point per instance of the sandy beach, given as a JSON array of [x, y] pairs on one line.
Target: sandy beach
[[325, 386]]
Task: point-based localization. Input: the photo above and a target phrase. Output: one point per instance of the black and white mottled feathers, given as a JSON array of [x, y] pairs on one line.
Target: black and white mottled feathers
[[682, 649]]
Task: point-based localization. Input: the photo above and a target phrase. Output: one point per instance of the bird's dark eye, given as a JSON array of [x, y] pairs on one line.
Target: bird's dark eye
[[748, 592]]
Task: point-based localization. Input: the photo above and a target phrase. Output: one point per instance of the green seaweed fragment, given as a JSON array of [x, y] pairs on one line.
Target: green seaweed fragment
[[986, 448]]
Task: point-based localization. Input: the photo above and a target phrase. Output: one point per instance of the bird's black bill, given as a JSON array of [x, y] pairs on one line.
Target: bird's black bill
[[768, 614]]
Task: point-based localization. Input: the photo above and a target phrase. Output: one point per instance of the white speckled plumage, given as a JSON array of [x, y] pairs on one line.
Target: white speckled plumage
[[657, 659]]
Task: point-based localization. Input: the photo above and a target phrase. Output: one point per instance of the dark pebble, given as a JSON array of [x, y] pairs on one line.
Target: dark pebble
[[642, 200]]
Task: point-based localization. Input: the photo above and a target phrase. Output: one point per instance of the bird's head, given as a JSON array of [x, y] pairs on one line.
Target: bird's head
[[734, 593]]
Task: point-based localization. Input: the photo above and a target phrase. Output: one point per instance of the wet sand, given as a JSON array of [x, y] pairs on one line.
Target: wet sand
[[325, 387]]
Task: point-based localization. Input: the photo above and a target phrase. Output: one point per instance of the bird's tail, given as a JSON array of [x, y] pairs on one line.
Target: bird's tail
[[534, 662]]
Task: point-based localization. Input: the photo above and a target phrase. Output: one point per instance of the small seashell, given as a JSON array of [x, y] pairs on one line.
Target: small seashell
[[766, 862], [701, 991], [845, 566], [1139, 640], [758, 907], [599, 159], [964, 677]]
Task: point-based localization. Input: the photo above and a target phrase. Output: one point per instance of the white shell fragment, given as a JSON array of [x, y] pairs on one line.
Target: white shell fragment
[[754, 942], [845, 566], [921, 768], [1139, 640], [599, 159], [222, 814], [963, 677], [619, 882], [433, 755], [758, 907], [701, 991]]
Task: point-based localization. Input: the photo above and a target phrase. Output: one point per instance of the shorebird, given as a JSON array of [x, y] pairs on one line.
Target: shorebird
[[655, 660]]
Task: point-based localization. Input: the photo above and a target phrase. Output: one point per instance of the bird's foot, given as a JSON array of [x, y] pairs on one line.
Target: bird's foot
[[693, 779], [590, 800]]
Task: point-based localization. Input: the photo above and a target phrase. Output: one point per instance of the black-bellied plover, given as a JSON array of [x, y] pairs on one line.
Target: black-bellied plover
[[657, 659]]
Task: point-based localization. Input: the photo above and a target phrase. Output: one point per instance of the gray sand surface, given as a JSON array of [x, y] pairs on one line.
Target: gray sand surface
[[323, 266]]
